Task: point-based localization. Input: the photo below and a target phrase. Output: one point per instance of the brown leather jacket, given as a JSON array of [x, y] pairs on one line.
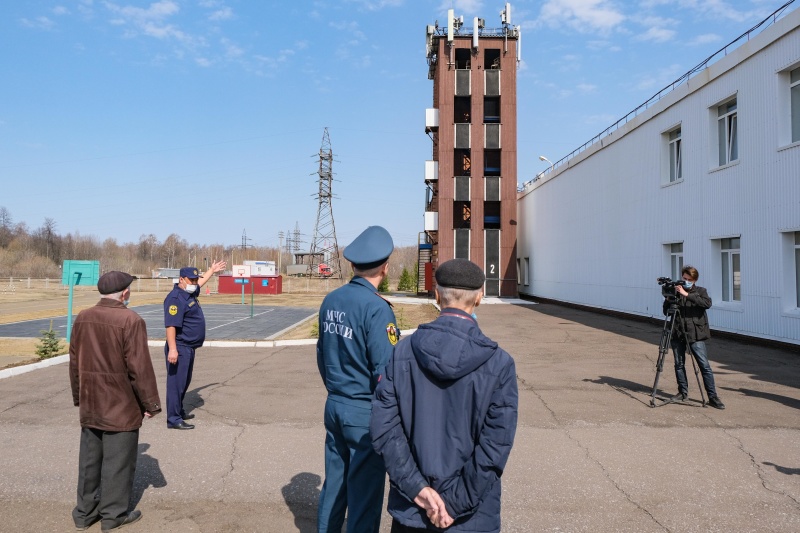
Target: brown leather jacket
[[110, 369]]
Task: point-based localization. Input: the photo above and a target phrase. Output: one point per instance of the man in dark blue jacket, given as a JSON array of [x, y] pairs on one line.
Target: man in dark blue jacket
[[445, 414]]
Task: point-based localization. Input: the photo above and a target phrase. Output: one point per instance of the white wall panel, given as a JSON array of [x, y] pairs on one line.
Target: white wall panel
[[595, 229]]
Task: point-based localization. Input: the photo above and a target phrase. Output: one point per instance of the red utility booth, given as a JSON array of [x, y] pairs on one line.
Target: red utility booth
[[260, 285]]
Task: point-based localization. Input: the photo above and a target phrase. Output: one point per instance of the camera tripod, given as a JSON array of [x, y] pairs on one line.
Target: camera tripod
[[673, 325]]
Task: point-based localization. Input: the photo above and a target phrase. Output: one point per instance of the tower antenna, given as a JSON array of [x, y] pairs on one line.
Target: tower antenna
[[325, 260]]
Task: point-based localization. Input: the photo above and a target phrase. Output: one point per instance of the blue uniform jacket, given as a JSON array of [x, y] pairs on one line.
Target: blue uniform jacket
[[357, 333], [445, 416], [182, 310]]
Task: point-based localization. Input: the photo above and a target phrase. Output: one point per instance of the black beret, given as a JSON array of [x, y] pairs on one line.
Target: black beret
[[114, 281], [460, 274]]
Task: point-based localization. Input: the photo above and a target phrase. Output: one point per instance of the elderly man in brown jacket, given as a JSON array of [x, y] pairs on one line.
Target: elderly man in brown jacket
[[114, 385]]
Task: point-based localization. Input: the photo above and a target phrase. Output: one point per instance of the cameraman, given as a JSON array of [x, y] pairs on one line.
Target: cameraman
[[693, 301]]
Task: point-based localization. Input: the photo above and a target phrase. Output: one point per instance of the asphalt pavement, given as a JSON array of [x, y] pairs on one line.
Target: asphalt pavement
[[223, 322], [590, 453]]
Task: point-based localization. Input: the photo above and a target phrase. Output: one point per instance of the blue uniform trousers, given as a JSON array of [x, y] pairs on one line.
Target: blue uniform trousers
[[354, 473], [179, 376]]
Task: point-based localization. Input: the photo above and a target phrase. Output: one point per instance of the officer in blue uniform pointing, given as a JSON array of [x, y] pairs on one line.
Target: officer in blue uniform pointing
[[357, 332], [186, 331]]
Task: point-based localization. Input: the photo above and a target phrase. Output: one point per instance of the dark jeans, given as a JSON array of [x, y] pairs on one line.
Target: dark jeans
[[699, 351], [106, 466]]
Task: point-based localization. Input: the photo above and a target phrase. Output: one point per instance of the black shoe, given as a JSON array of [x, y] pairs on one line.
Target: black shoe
[[715, 402], [182, 425], [133, 516], [89, 523], [678, 397], [188, 417]]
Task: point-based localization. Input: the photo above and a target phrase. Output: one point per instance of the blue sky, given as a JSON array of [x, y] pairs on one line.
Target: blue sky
[[204, 117]]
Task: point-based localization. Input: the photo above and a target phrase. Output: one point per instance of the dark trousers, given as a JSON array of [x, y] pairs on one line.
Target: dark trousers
[[106, 466], [179, 376], [354, 473], [699, 351]]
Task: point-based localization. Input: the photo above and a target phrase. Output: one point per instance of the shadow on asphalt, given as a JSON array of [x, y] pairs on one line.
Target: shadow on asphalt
[[785, 400], [784, 470], [148, 474], [762, 363], [193, 399], [302, 497]]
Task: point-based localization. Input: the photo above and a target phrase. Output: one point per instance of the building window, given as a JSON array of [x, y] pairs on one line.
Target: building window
[[675, 164], [676, 260], [794, 90], [731, 270], [519, 272], [525, 273], [727, 132], [797, 267]]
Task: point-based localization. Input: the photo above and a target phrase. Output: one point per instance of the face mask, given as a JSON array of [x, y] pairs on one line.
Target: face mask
[[688, 284], [190, 288], [475, 317], [126, 302]]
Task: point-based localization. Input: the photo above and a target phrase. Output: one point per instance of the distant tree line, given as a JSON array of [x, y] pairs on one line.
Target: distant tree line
[[40, 252]]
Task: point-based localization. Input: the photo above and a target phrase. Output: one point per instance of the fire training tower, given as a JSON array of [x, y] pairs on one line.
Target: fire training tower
[[471, 181], [324, 257]]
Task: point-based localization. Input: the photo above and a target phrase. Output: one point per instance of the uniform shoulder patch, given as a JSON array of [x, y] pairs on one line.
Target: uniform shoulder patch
[[173, 310], [393, 333]]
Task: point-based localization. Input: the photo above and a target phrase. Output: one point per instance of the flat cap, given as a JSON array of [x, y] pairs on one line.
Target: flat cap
[[190, 272], [370, 249], [114, 281], [460, 274]]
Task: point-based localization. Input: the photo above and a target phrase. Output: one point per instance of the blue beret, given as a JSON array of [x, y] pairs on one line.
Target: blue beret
[[190, 272], [370, 249], [460, 274]]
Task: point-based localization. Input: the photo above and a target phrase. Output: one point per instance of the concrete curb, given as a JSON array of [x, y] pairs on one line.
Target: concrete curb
[[17, 370]]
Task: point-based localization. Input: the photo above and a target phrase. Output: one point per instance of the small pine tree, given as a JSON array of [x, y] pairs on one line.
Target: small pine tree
[[406, 281], [383, 286], [49, 345]]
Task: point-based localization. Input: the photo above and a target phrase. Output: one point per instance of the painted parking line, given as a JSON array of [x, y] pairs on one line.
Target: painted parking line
[[235, 321]]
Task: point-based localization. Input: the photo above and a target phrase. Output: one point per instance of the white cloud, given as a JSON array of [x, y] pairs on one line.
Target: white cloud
[[60, 10], [586, 87], [660, 79], [582, 15], [202, 62], [603, 119], [39, 23], [375, 5], [221, 14], [465, 7], [656, 35], [231, 50], [705, 38]]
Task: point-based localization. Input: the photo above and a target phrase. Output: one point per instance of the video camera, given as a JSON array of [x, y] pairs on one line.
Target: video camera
[[668, 286]]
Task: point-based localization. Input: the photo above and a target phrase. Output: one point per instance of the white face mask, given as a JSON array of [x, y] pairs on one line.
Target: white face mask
[[190, 288]]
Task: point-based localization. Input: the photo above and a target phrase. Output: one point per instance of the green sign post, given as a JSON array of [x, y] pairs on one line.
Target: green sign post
[[78, 273]]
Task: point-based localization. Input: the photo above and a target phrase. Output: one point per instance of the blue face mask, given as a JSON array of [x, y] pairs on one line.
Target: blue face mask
[[126, 302], [688, 284], [475, 317]]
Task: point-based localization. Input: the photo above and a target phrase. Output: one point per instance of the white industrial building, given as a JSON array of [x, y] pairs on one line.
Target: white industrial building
[[707, 175]]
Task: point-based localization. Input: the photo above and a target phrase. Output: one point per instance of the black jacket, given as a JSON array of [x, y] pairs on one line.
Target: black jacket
[[444, 416], [693, 310]]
